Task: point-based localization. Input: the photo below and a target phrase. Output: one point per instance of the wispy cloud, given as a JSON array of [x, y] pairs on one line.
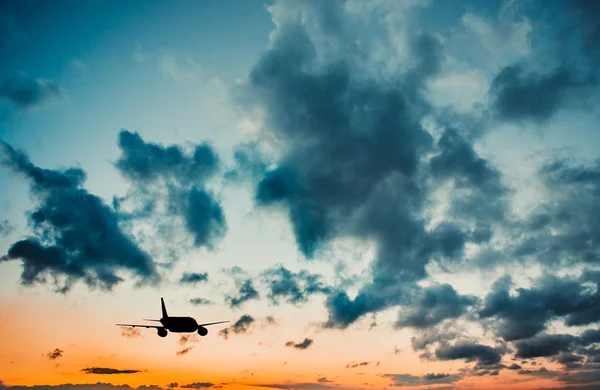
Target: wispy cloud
[[107, 371], [130, 333], [184, 351], [57, 353], [302, 345]]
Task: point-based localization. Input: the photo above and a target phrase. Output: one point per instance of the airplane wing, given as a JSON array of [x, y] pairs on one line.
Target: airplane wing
[[213, 323], [140, 326]]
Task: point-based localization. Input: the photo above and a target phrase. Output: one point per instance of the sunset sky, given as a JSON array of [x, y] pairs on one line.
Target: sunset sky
[[376, 194]]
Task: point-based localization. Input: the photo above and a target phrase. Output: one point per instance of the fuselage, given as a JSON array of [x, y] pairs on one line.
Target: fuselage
[[179, 324]]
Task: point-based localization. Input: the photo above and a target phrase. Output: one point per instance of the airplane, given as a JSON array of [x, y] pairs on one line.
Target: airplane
[[175, 324]]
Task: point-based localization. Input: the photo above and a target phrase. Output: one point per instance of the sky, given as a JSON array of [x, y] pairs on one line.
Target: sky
[[376, 194]]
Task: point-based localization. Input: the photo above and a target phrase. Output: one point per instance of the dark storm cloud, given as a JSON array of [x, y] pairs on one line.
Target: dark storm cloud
[[470, 351], [292, 287], [519, 96], [76, 236], [354, 160], [57, 353], [480, 197], [441, 334], [322, 176], [23, 91], [246, 292], [408, 380], [582, 378], [563, 230], [526, 313], [182, 175], [107, 371], [545, 345], [589, 12], [242, 325], [569, 360], [590, 336], [303, 345], [434, 305], [147, 162], [193, 278]]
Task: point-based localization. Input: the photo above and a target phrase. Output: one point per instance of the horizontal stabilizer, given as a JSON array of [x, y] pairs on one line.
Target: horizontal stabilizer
[[145, 319], [213, 323]]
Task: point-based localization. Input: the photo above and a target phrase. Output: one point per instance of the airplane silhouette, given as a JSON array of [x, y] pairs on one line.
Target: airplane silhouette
[[175, 324]]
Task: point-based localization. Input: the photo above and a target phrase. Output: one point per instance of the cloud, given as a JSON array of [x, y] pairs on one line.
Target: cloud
[[537, 95], [25, 92], [540, 372], [130, 333], [242, 325], [292, 287], [193, 278], [246, 292], [303, 345], [470, 351], [83, 386], [5, 228], [356, 364], [270, 320], [545, 345], [184, 351], [355, 154], [304, 386], [250, 163], [518, 96], [434, 305], [187, 338], [508, 38], [198, 385], [573, 189], [408, 380], [75, 235], [107, 371], [526, 314], [178, 178], [57, 353], [200, 301]]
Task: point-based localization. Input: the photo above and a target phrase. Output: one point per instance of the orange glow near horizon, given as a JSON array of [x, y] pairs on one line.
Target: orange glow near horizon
[[88, 341]]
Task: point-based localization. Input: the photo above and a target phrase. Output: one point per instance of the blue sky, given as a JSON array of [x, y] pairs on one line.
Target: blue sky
[[428, 167]]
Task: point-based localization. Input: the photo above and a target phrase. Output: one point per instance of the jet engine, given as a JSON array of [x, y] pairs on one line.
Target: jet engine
[[162, 332], [202, 331]]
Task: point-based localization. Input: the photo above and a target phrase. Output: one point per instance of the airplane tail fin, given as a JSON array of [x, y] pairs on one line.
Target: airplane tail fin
[[164, 309]]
